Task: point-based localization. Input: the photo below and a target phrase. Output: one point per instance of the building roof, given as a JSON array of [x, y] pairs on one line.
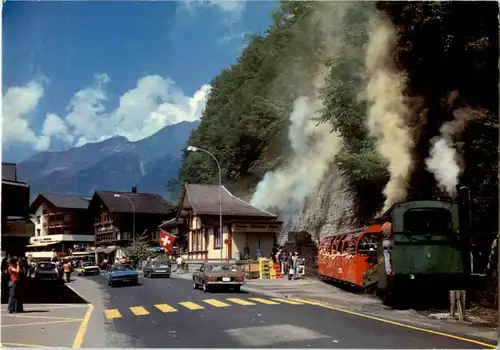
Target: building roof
[[60, 201], [205, 200], [15, 183], [144, 203]]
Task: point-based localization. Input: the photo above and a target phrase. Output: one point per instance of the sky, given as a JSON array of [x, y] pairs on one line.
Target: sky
[[79, 72]]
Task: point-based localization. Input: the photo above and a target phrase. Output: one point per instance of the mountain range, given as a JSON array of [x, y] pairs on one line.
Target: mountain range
[[115, 164]]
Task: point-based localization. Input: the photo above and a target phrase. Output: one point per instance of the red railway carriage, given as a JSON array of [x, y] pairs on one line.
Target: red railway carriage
[[344, 256]]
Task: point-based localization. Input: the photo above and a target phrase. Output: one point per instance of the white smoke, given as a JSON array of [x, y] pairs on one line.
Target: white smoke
[[314, 149], [388, 112], [444, 162]]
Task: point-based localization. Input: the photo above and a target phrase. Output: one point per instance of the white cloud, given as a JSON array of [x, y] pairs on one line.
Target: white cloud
[[152, 104], [18, 104], [232, 8]]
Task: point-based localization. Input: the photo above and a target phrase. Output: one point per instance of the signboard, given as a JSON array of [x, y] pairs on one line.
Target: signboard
[[45, 239], [271, 228]]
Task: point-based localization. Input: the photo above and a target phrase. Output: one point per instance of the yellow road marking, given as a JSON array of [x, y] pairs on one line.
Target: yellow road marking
[[288, 301], [324, 305], [216, 303], [35, 323], [19, 345], [77, 343], [47, 317], [165, 308], [191, 306], [264, 301], [240, 301], [139, 311], [113, 313]]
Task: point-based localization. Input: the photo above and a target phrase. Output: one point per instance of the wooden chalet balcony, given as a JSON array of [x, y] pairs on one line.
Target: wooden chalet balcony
[[56, 223], [110, 237], [104, 223]]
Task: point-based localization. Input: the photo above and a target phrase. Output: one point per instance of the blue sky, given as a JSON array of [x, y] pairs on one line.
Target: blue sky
[[77, 72]]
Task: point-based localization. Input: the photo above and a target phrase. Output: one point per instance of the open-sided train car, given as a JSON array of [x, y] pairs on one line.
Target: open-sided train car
[[427, 251]]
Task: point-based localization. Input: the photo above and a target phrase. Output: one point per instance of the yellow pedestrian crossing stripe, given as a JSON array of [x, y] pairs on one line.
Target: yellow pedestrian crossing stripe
[[288, 301], [113, 313], [165, 308], [227, 302], [216, 303], [264, 301], [191, 306], [139, 311], [240, 301]]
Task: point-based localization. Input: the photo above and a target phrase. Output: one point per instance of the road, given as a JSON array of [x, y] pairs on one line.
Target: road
[[164, 313]]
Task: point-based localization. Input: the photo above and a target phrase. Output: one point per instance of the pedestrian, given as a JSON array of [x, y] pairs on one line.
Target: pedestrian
[[295, 262], [289, 265], [13, 271], [283, 257], [178, 262], [387, 245], [67, 271]]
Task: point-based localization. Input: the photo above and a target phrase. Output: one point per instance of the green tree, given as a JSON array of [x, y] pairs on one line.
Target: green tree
[[139, 251]]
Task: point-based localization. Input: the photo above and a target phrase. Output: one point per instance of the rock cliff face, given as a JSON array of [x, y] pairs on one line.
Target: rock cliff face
[[330, 209]]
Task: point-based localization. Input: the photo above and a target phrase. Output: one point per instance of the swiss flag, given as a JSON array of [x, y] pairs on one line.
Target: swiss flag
[[167, 240]]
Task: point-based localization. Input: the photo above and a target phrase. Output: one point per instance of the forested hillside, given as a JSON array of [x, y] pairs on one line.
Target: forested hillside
[[399, 99]]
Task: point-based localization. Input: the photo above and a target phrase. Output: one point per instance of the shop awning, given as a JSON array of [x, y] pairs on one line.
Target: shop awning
[[110, 250], [42, 244]]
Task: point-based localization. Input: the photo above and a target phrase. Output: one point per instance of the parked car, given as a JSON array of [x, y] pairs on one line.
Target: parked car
[[88, 268], [47, 271], [218, 274], [122, 273]]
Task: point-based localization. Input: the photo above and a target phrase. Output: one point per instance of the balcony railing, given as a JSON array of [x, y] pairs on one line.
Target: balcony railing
[[105, 237]]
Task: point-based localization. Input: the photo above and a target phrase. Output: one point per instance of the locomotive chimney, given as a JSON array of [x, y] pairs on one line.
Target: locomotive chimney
[[134, 189]]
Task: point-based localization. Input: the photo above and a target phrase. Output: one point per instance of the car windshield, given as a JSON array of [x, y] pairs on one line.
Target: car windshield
[[159, 263], [224, 267], [123, 267], [85, 264], [46, 266]]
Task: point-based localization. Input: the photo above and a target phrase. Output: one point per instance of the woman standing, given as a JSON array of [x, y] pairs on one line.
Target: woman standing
[[13, 271], [21, 289]]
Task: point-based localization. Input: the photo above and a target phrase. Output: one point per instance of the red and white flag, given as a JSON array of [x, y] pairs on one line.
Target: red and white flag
[[167, 240]]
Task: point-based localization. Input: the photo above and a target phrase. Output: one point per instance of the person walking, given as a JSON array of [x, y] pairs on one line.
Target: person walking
[[295, 262], [13, 271], [178, 262], [289, 265], [67, 271]]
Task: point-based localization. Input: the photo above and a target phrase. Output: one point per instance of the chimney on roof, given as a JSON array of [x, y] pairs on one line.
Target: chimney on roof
[[134, 189]]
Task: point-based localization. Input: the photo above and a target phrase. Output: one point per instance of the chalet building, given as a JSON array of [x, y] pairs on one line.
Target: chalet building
[[63, 225], [114, 214], [16, 226], [246, 229]]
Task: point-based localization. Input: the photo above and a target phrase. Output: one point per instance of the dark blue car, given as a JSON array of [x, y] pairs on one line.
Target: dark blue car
[[122, 273]]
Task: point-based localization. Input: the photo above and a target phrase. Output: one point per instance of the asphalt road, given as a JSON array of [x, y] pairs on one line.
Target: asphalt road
[[164, 313]]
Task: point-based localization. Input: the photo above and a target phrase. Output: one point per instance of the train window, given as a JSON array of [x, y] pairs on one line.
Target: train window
[[335, 244], [342, 246], [367, 244], [350, 243], [428, 221]]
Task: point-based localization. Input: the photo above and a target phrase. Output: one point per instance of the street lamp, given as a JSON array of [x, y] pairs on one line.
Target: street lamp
[[133, 214], [196, 149]]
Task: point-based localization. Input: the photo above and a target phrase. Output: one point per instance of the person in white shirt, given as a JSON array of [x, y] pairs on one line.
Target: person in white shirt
[[178, 262]]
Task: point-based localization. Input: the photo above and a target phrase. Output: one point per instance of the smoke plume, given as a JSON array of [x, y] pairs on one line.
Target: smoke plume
[[314, 149], [388, 112], [444, 162]]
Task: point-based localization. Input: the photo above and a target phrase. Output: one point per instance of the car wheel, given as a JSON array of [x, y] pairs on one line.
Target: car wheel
[[168, 276], [195, 285], [205, 287]]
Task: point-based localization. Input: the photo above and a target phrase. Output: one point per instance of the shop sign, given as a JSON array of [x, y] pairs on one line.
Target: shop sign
[[256, 228]]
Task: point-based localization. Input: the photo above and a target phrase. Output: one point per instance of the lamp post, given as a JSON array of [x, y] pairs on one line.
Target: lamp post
[[133, 213], [196, 149]]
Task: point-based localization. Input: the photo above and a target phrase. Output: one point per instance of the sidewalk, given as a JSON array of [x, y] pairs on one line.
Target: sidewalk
[[364, 305], [44, 325]]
